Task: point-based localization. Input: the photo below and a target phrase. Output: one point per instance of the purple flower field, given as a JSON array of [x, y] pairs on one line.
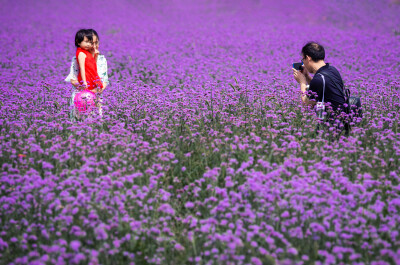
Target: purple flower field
[[204, 153]]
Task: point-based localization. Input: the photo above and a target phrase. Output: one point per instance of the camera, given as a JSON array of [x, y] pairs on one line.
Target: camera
[[298, 66]]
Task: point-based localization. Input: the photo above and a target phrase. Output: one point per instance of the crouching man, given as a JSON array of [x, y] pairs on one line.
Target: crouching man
[[325, 91]]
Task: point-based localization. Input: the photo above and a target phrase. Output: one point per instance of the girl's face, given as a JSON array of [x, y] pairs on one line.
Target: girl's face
[[86, 44]]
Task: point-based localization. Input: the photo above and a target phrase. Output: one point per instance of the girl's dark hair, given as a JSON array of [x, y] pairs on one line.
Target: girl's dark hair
[[81, 34], [315, 50], [94, 33]]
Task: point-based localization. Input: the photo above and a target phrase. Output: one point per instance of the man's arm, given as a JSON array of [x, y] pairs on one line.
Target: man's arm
[[302, 80], [304, 95]]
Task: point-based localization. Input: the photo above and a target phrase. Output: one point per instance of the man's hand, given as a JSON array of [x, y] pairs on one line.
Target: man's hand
[[299, 77], [302, 80], [306, 74]]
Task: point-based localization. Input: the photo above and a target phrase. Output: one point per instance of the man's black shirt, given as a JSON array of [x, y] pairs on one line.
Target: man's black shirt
[[333, 86]]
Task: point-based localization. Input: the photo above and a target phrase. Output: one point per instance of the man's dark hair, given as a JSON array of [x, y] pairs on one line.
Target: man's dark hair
[[81, 34], [315, 50], [94, 33]]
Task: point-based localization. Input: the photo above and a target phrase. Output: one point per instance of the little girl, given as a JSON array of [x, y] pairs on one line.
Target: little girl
[[102, 71], [87, 64]]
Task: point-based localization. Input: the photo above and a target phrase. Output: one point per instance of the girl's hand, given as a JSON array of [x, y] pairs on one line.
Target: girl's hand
[[81, 87]]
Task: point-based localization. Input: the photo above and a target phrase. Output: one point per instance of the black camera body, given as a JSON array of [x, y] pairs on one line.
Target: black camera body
[[298, 66]]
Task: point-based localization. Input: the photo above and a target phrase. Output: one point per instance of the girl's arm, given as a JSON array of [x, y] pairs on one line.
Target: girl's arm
[[81, 61]]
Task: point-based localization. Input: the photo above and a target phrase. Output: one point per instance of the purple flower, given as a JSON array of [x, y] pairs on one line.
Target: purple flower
[[256, 261], [74, 245], [179, 247], [189, 204], [166, 208]]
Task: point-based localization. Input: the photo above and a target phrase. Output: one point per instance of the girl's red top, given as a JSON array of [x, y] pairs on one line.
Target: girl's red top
[[92, 77]]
